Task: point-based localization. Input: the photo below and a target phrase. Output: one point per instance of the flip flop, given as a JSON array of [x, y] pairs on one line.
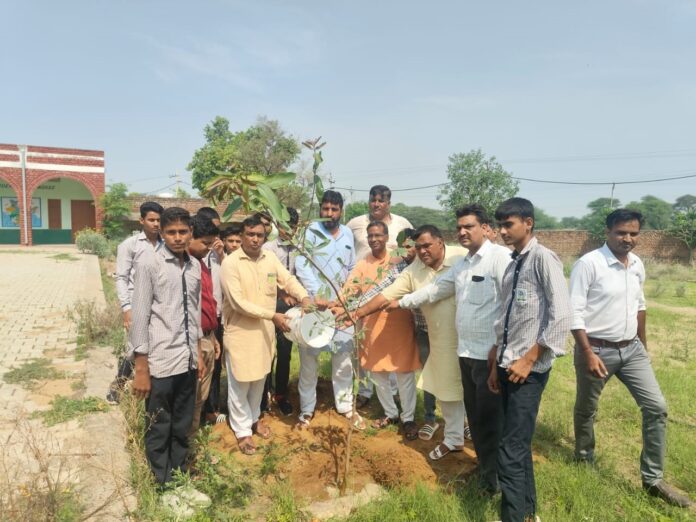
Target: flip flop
[[410, 430], [303, 420], [427, 431], [441, 450], [385, 421]]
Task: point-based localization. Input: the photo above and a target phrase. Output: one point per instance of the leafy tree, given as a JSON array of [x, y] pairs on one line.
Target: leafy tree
[[683, 227], [544, 221], [656, 212], [570, 222], [595, 221], [685, 203], [263, 148], [474, 178], [358, 208], [117, 209], [603, 203]]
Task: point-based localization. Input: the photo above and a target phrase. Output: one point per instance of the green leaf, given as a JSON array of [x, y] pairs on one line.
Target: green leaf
[[277, 181], [232, 207], [319, 187], [272, 203]]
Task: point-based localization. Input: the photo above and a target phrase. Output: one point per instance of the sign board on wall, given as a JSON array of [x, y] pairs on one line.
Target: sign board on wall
[[10, 212]]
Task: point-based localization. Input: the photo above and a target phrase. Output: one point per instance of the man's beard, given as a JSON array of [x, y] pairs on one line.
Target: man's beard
[[331, 224]]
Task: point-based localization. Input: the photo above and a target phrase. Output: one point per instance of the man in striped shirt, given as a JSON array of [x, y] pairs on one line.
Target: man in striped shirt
[[531, 332], [164, 340]]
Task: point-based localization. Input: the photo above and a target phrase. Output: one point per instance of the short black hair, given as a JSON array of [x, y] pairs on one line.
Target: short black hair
[[622, 215], [208, 212], [235, 229], [514, 207], [294, 217], [203, 227], [252, 221], [150, 206], [376, 223], [406, 233], [174, 214], [474, 209], [380, 190], [331, 196], [427, 229]]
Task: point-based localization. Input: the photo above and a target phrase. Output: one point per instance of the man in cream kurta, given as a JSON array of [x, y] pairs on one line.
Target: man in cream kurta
[[250, 279], [441, 375]]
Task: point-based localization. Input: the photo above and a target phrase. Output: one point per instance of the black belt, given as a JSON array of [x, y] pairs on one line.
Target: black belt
[[601, 343]]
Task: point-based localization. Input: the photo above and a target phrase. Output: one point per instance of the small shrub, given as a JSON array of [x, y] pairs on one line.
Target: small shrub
[[64, 409], [680, 290], [657, 290], [89, 241], [95, 326]]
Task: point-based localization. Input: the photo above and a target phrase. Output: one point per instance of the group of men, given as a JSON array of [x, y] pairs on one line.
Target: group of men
[[484, 323]]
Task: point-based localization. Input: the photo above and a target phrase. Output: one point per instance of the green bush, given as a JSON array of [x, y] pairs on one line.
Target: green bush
[[89, 241]]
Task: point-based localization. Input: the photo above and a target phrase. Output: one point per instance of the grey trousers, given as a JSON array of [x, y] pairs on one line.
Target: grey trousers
[[631, 365]]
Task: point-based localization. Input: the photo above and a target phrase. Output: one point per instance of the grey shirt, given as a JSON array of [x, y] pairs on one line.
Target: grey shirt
[[162, 327], [536, 307], [285, 253], [127, 255]]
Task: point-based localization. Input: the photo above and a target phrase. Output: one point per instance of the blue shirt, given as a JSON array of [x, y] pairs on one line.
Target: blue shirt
[[336, 259]]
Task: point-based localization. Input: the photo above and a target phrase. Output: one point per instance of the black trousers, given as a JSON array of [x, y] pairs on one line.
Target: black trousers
[[282, 370], [212, 403], [168, 418], [515, 469], [484, 411]]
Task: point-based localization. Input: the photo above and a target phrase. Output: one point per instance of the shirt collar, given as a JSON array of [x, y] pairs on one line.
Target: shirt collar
[[611, 258], [244, 255], [530, 244], [485, 247], [168, 255]]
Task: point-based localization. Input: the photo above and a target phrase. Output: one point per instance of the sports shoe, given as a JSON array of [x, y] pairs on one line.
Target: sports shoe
[[668, 493]]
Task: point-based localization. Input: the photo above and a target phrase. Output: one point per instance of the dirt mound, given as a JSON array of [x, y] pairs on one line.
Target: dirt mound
[[312, 458]]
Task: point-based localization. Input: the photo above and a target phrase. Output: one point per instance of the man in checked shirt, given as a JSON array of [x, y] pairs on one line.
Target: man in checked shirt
[[530, 333], [164, 340]]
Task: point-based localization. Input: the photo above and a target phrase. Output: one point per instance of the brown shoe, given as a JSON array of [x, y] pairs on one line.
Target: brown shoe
[[668, 493]]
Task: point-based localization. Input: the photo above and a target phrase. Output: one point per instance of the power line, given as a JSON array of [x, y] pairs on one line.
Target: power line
[[533, 180]]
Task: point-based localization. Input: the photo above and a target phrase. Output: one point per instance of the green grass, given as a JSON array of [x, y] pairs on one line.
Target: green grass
[[64, 409], [31, 372], [64, 257]]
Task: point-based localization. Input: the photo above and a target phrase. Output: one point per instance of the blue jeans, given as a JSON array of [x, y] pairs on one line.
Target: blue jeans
[[515, 468]]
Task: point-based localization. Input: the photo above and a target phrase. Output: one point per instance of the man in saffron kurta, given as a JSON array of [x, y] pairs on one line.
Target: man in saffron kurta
[[390, 340], [250, 279]]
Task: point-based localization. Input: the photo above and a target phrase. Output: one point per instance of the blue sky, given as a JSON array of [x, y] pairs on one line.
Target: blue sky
[[591, 91]]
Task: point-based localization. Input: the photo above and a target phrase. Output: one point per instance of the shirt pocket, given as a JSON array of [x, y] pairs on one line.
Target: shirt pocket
[[479, 288]]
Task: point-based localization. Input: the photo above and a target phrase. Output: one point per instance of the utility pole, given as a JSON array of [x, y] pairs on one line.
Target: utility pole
[[177, 177]]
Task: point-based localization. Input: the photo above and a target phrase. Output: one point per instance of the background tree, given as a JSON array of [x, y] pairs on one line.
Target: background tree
[[570, 222], [595, 221], [181, 193], [117, 210], [656, 212], [544, 221], [474, 178], [685, 203], [683, 227], [357, 208], [264, 148]]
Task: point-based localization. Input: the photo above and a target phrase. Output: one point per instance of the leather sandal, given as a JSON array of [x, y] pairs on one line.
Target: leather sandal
[[410, 430], [385, 421], [247, 446]]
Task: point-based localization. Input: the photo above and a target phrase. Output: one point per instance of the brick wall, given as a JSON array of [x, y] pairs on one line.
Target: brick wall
[[652, 244]]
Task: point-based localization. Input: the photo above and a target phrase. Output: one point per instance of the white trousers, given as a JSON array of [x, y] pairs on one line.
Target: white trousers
[[455, 415], [341, 377], [406, 383], [243, 401], [365, 384]]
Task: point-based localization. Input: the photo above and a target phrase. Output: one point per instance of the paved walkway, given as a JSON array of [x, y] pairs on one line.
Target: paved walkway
[[37, 287]]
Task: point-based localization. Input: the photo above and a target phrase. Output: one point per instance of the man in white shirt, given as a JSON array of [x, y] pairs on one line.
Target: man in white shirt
[[379, 210], [606, 291], [476, 282]]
